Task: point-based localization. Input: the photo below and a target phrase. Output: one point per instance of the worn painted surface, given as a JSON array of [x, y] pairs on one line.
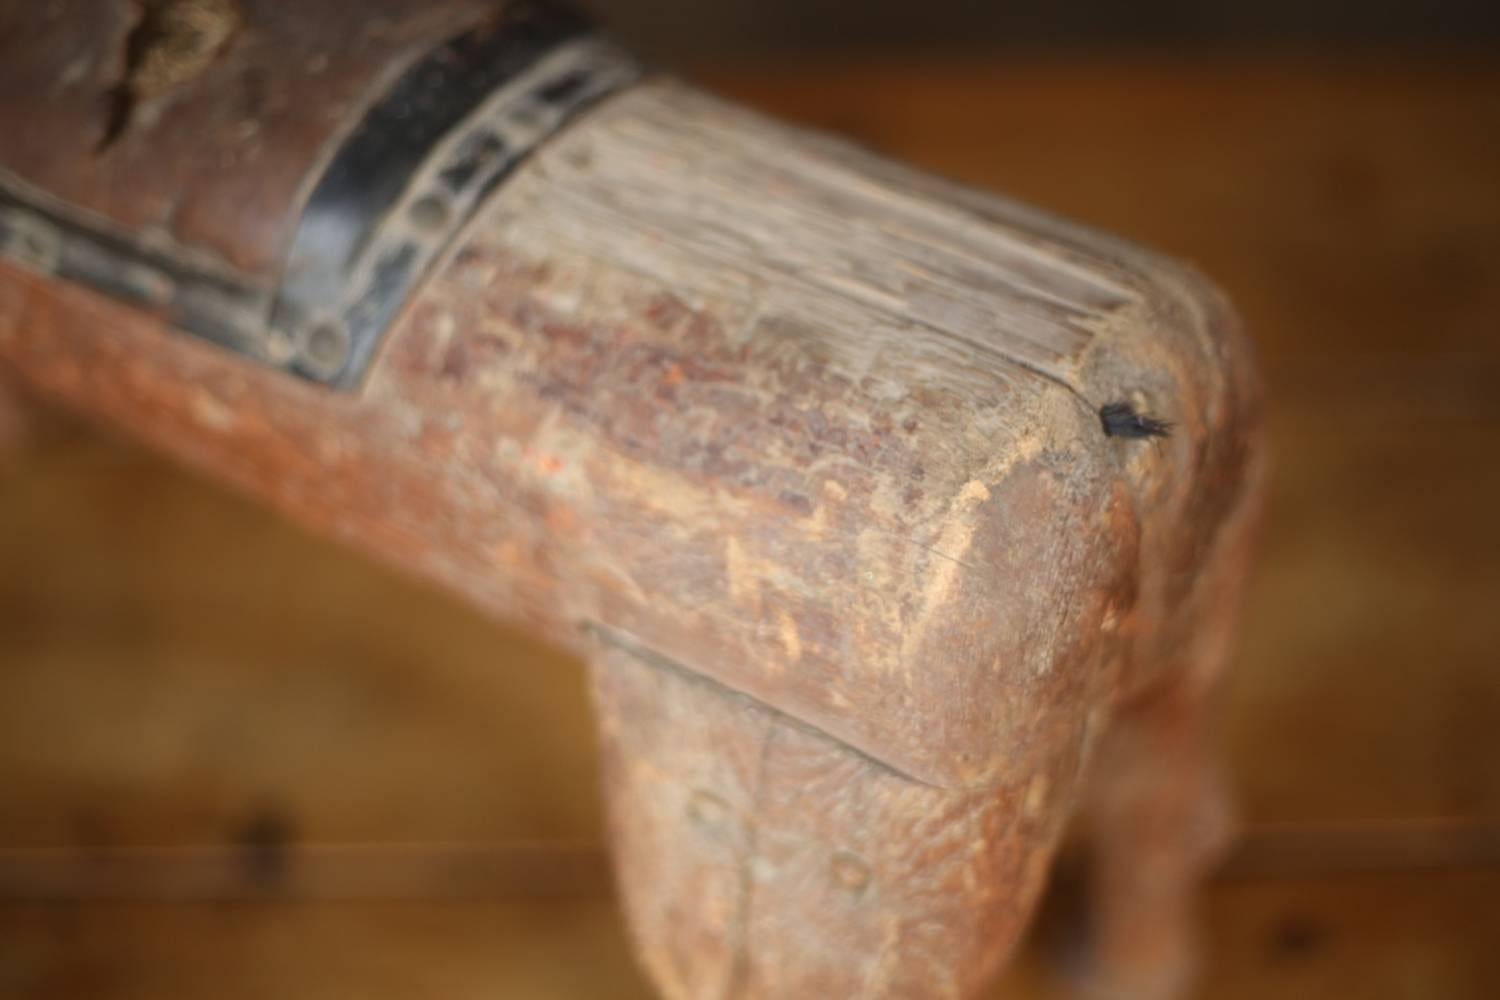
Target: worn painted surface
[[803, 450], [194, 125]]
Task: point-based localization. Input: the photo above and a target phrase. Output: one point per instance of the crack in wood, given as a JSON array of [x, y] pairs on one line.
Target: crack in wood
[[171, 42]]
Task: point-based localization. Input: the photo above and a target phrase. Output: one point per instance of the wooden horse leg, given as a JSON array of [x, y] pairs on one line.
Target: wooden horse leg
[[1161, 819], [760, 858], [1159, 809]]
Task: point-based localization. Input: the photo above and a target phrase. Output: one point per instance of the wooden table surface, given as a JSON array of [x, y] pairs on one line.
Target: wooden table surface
[[238, 762]]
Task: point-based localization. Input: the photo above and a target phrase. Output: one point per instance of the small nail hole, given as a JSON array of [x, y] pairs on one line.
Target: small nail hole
[[850, 872], [429, 212], [708, 810], [326, 347]]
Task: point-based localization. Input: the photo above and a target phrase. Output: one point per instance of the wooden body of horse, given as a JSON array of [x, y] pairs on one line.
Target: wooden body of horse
[[801, 450]]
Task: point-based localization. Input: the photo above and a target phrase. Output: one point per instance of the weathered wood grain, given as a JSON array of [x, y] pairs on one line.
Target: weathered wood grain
[[1347, 205], [812, 444]]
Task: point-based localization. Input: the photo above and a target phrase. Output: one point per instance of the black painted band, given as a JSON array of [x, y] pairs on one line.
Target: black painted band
[[410, 174]]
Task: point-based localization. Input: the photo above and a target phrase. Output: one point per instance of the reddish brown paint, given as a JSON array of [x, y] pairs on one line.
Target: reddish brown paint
[[802, 452], [216, 165]]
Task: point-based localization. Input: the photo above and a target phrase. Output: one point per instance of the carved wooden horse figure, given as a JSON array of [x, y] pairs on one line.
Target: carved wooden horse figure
[[855, 489]]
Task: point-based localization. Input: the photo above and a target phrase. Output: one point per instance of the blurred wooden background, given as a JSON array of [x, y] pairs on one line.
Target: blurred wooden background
[[691, 29], [239, 762]]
